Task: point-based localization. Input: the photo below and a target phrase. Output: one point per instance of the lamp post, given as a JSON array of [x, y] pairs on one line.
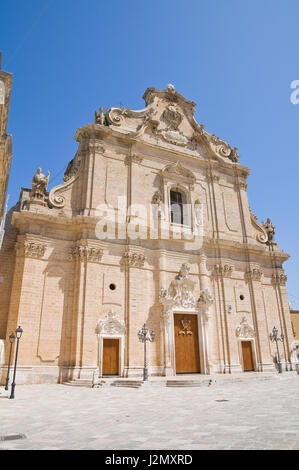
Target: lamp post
[[11, 340], [143, 337], [19, 332], [274, 337]]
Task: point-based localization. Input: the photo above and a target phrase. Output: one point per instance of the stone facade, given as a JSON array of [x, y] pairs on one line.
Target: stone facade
[[5, 140], [104, 252], [295, 324]]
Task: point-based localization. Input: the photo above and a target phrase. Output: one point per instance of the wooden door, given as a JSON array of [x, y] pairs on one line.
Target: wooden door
[[111, 356], [186, 344], [247, 356]]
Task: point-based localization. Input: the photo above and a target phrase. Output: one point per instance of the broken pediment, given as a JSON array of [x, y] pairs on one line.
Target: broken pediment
[[168, 118]]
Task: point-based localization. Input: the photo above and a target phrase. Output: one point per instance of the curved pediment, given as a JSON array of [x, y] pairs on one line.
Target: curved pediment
[[177, 171], [167, 119]]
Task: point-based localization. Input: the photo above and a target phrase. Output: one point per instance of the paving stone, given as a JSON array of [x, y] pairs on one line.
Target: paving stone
[[263, 414]]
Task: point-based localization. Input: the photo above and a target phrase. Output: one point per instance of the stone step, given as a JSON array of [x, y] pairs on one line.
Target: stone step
[[127, 383], [188, 383], [79, 383]]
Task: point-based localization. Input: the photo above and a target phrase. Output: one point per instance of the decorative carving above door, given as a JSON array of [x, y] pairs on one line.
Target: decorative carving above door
[[186, 327]]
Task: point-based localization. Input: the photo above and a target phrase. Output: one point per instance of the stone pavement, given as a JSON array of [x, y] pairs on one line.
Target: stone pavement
[[248, 411]]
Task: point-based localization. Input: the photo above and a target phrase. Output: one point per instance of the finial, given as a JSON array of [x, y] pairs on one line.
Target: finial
[[170, 88]]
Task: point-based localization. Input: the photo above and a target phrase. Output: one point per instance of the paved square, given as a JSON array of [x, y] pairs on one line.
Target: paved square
[[249, 411]]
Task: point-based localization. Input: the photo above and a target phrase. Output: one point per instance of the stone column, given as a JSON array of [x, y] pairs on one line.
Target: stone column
[[205, 286], [204, 303], [168, 343], [83, 255]]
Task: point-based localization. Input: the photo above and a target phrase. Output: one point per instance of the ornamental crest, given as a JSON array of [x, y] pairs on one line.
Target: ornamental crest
[[111, 325], [172, 116], [180, 291], [244, 330]]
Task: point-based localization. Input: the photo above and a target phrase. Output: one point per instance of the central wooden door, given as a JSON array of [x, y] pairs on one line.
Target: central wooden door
[[247, 356], [110, 356], [186, 344]]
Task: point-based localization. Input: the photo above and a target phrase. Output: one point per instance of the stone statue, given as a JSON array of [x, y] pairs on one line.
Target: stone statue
[[198, 212], [157, 198], [204, 303], [184, 272], [170, 88], [234, 157], [100, 117], [270, 229], [39, 185], [163, 293]]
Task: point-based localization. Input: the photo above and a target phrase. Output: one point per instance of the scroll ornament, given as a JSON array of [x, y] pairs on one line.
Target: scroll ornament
[[224, 149]]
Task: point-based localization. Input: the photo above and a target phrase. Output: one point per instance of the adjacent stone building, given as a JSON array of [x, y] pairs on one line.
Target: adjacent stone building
[[295, 325], [5, 140], [151, 224]]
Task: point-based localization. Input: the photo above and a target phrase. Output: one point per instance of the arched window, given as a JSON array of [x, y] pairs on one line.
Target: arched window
[[177, 207]]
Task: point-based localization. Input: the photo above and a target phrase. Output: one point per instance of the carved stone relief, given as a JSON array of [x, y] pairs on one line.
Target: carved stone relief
[[134, 158], [180, 291], [157, 198], [30, 249], [204, 303], [223, 149], [180, 294], [133, 259], [176, 170], [225, 270], [279, 278], [243, 330], [85, 253], [111, 325], [254, 274]]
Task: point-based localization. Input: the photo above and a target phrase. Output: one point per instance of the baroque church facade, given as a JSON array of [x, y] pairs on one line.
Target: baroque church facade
[[151, 225]]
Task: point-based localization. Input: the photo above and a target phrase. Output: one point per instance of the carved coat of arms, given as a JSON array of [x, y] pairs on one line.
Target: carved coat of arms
[[172, 116], [186, 327], [171, 132]]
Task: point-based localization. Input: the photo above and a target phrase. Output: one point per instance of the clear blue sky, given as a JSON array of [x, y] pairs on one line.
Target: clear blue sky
[[236, 59]]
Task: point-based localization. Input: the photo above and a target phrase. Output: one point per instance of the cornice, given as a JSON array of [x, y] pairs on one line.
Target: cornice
[[98, 131], [85, 223], [249, 247]]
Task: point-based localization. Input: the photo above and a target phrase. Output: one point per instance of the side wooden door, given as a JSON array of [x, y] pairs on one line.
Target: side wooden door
[[186, 344], [110, 356], [247, 356]]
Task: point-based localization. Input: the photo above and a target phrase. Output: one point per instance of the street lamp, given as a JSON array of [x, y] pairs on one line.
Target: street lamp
[[274, 337], [143, 337], [11, 340], [19, 332]]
